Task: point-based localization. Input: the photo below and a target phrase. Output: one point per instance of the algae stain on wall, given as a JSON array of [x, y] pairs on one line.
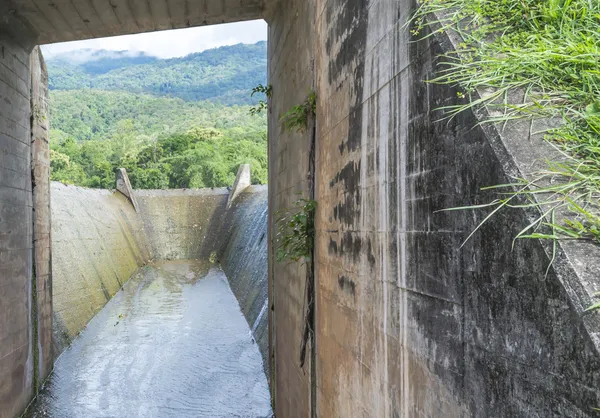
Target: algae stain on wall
[[182, 224]]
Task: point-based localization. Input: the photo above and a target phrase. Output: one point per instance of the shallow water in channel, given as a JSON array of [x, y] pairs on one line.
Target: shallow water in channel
[[172, 343]]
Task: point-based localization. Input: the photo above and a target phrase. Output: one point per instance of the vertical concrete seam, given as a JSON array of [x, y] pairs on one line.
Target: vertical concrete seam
[[404, 116], [34, 294]]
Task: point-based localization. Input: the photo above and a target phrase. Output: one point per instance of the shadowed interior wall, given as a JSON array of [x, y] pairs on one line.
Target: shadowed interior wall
[[182, 224], [243, 257], [16, 229], [98, 241]]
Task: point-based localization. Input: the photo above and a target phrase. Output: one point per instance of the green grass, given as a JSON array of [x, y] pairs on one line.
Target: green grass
[[549, 50]]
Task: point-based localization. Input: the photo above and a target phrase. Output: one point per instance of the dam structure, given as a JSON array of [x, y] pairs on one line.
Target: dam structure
[[172, 340], [394, 314]]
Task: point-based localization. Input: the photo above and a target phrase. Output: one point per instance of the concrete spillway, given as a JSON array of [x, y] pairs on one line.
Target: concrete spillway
[[172, 343], [409, 319], [182, 337]]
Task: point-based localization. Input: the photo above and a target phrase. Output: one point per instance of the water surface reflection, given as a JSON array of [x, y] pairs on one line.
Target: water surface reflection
[[172, 343]]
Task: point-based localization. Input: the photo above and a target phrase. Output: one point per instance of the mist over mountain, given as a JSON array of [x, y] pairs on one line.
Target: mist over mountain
[[223, 75]]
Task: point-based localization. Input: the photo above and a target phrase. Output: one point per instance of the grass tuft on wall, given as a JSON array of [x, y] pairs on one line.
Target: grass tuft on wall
[[548, 51]]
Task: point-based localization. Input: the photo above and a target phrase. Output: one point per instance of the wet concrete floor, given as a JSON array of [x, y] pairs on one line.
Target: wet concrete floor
[[172, 343]]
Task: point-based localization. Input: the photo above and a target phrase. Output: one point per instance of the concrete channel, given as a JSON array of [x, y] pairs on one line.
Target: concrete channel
[[172, 343]]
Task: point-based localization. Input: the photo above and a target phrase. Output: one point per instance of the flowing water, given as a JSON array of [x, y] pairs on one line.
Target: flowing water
[[172, 343]]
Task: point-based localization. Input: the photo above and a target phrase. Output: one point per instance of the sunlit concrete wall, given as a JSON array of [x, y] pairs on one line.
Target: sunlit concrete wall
[[182, 224], [291, 73], [98, 242], [243, 256]]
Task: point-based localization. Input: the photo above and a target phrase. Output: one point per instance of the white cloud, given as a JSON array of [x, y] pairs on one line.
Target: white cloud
[[172, 43]]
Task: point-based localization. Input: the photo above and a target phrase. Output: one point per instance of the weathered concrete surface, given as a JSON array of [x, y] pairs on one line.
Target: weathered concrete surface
[[16, 230], [172, 343], [243, 257], [291, 73], [123, 185], [42, 260], [408, 322], [182, 224], [81, 19], [98, 242]]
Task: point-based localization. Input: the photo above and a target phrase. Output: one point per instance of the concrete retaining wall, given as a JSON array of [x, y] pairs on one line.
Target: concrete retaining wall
[[98, 241], [182, 224], [292, 73], [408, 322], [42, 259], [243, 257], [20, 350]]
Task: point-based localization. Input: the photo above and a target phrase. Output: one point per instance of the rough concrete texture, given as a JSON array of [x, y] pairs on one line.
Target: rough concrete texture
[[182, 224], [16, 231], [42, 261], [98, 242], [408, 322], [243, 257], [291, 73], [123, 185], [82, 19]]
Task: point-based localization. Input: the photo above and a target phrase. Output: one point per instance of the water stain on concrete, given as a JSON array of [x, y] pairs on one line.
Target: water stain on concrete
[[173, 342]]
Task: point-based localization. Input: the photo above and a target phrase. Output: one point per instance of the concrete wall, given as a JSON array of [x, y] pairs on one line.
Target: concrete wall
[[243, 257], [16, 223], [291, 73], [408, 323], [98, 241], [42, 260], [182, 224]]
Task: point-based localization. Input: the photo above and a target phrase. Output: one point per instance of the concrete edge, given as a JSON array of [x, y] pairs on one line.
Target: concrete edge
[[521, 153], [123, 185], [242, 182]]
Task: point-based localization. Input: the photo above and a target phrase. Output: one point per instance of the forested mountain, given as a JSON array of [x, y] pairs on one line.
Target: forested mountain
[[95, 114], [182, 122], [224, 75]]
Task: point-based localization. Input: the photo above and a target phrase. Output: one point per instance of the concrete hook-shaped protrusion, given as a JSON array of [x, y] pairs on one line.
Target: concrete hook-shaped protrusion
[[124, 186], [242, 181]]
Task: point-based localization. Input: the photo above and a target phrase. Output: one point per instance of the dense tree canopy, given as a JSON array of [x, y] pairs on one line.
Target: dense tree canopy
[[223, 75], [200, 157], [162, 141]]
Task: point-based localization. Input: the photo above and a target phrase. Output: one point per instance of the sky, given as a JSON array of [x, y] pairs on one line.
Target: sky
[[172, 43]]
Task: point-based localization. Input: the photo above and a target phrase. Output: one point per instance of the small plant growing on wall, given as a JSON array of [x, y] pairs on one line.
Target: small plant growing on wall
[[295, 234], [297, 118], [262, 104]]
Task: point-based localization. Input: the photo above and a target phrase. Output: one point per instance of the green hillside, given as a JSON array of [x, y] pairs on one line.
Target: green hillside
[[182, 122], [223, 75], [96, 114]]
